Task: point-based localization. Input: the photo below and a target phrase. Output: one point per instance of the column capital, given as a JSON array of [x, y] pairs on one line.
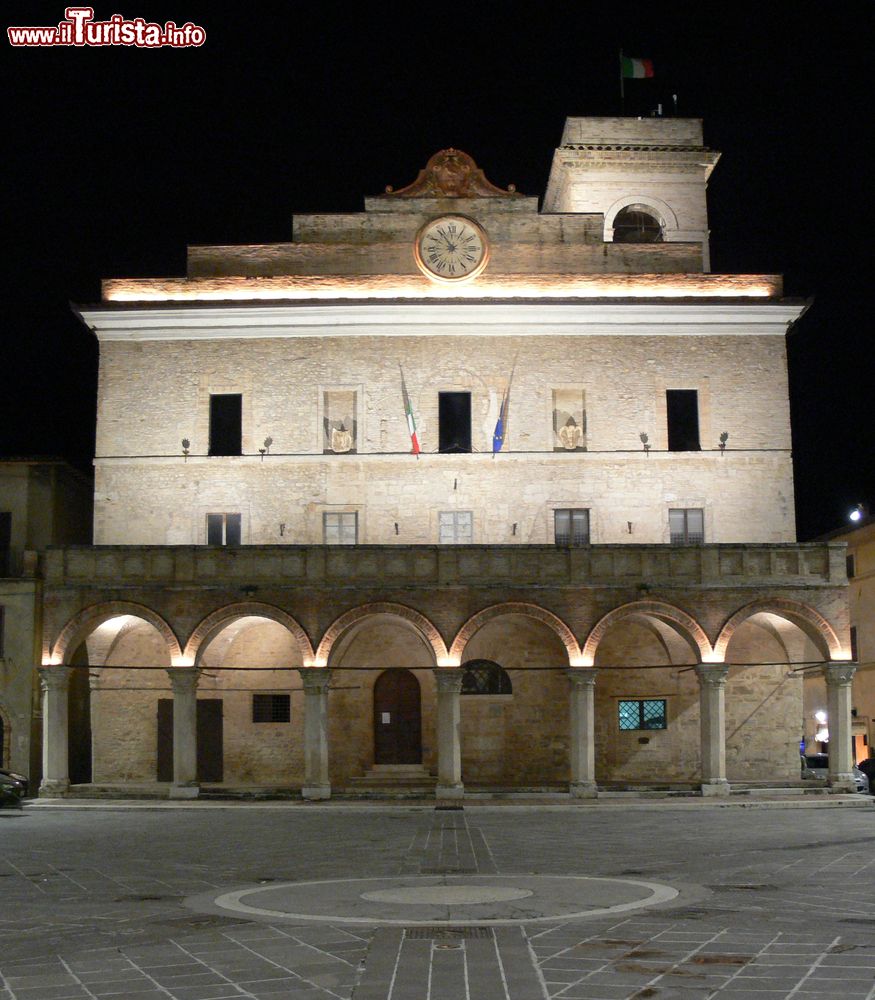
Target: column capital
[[839, 672], [315, 679], [580, 677], [55, 677], [183, 680], [712, 673], [448, 679]]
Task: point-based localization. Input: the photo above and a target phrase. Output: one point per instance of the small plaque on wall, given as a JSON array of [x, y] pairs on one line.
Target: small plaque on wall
[[385, 718]]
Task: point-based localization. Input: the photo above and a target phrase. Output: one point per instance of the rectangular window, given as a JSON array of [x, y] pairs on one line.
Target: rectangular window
[[569, 420], [687, 526], [454, 417], [339, 422], [455, 527], [571, 526], [226, 424], [642, 713], [850, 565], [340, 528], [853, 642], [224, 529], [682, 410], [271, 708]]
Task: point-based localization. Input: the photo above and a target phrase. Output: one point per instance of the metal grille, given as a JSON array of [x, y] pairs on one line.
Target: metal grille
[[642, 714], [271, 708], [571, 526], [687, 526], [485, 677]]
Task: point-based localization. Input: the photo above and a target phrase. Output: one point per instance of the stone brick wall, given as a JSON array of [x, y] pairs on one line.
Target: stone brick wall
[[154, 394]]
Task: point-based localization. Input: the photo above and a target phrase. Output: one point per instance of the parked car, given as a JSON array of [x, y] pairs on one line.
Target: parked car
[[868, 768], [816, 765], [20, 779], [10, 793]]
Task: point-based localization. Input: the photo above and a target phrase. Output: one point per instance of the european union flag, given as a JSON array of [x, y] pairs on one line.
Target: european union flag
[[498, 434]]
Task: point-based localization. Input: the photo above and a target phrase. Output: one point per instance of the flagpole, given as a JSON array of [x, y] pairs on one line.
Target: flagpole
[[622, 87]]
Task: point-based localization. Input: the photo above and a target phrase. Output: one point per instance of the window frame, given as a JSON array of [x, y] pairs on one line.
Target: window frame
[[443, 429], [571, 512], [215, 448], [340, 514], [225, 515], [686, 540], [641, 703], [455, 514], [674, 432], [495, 670], [281, 698]]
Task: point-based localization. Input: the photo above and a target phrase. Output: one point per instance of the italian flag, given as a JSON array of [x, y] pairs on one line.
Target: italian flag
[[408, 411], [636, 69]]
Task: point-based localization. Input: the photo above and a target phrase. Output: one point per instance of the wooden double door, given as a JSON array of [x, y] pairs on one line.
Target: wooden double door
[[210, 765], [397, 718]]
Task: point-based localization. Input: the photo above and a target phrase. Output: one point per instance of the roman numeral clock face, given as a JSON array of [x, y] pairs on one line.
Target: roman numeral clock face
[[451, 248]]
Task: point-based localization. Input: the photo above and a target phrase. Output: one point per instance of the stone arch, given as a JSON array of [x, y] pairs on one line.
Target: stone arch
[[811, 622], [686, 625], [255, 609], [477, 621], [663, 212], [82, 624], [354, 615]]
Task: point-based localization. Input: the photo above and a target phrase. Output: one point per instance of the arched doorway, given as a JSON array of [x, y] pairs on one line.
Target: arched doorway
[[397, 718]]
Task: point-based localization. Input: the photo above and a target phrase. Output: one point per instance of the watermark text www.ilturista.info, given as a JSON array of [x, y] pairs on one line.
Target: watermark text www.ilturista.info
[[80, 29]]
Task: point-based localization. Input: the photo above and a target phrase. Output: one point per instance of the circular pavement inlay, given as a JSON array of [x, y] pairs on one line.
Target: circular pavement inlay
[[447, 894], [416, 900]]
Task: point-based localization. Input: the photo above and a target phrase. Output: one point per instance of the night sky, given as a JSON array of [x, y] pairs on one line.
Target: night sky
[[117, 158]]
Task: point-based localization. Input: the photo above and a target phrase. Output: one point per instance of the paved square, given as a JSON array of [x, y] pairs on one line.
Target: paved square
[[769, 901]]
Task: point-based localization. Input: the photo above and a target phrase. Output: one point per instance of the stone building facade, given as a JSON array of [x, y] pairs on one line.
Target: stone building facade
[[42, 502], [455, 490]]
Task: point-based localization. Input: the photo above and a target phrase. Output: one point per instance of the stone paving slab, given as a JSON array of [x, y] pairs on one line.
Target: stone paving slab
[[92, 903]]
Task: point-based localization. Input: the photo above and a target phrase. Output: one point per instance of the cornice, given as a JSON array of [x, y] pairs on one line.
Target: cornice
[[404, 318]]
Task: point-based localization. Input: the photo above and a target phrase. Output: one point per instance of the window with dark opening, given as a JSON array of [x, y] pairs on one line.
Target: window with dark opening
[[636, 225], [454, 414], [485, 677], [571, 526], [686, 526], [850, 566], [271, 708], [642, 713], [853, 643], [682, 409], [5, 542], [224, 529], [226, 424]]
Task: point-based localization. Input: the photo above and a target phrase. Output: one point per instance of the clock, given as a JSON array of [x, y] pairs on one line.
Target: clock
[[451, 248]]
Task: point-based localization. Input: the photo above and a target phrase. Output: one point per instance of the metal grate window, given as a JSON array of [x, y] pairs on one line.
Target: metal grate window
[[571, 526], [687, 526], [642, 713], [271, 708], [485, 677], [340, 528]]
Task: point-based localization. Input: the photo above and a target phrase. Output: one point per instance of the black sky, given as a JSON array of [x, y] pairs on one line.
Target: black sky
[[118, 158]]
